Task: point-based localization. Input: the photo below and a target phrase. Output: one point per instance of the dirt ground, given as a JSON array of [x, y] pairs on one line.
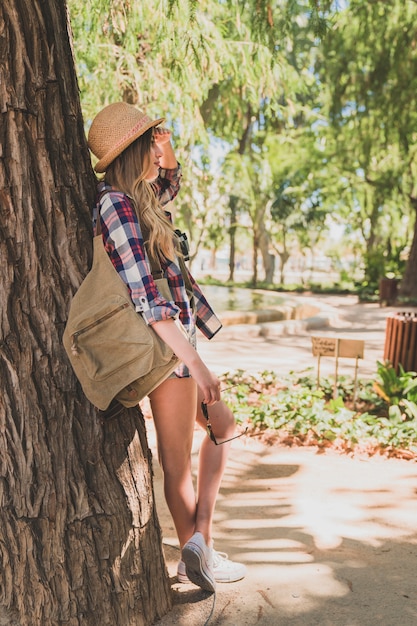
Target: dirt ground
[[328, 540]]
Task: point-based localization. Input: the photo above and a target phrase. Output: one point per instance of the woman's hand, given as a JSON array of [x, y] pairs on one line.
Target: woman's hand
[[161, 135], [207, 381], [162, 138]]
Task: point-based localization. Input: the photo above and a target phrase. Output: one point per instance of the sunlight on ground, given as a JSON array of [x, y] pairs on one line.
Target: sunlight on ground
[[318, 532]]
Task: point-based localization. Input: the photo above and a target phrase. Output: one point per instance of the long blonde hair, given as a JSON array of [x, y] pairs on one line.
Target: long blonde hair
[[126, 173]]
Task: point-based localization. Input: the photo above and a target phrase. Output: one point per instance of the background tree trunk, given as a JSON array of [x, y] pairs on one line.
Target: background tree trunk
[[255, 250], [268, 259], [80, 541], [408, 286], [233, 200]]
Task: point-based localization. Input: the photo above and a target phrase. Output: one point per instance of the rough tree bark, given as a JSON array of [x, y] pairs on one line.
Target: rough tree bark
[[80, 542]]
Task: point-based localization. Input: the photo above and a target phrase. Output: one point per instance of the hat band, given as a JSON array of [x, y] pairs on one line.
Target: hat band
[[144, 121]]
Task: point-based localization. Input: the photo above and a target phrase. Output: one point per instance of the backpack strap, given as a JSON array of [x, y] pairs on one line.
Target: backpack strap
[[155, 262], [181, 264]]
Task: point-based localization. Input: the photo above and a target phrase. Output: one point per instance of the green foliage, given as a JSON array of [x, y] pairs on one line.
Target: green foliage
[[398, 391], [367, 66], [298, 412], [183, 56], [319, 97]]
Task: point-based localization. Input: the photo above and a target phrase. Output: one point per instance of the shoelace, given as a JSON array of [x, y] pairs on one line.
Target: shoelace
[[218, 557], [212, 609]]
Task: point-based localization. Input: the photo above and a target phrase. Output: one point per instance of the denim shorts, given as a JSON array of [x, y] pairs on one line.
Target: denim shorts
[[173, 375]]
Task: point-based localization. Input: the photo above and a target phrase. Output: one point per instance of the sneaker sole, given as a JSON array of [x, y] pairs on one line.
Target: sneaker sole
[[196, 572], [183, 579], [233, 579]]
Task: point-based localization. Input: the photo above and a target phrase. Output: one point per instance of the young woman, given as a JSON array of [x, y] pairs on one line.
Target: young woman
[[141, 174]]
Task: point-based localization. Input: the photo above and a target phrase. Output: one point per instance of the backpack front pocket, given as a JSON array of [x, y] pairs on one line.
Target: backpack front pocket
[[110, 338]]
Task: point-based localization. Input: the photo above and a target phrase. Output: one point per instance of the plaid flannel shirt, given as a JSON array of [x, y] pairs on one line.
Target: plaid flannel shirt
[[124, 244]]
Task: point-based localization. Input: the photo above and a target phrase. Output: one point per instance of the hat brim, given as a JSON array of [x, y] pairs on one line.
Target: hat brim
[[103, 163]]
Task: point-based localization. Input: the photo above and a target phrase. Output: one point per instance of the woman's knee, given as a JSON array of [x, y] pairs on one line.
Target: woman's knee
[[175, 472], [221, 418], [175, 462]]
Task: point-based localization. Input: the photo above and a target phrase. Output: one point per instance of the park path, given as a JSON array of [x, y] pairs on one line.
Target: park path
[[328, 539], [286, 346]]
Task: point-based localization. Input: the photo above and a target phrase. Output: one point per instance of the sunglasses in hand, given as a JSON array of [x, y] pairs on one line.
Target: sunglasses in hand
[[210, 430]]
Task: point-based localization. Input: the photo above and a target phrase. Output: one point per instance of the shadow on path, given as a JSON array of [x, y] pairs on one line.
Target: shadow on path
[[327, 540]]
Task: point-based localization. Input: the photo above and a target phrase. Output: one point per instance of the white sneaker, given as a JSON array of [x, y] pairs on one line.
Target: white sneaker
[[224, 570], [197, 559]]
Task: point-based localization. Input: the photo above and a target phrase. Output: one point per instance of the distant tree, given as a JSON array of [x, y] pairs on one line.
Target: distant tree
[[283, 210], [369, 65], [225, 71]]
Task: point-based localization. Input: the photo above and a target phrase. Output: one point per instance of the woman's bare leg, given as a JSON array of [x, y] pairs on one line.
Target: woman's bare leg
[[212, 462], [173, 406]]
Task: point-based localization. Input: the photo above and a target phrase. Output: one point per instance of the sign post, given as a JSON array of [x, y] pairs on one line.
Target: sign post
[[337, 347]]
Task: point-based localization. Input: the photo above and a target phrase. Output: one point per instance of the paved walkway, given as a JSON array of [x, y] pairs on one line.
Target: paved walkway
[[286, 346], [328, 540]]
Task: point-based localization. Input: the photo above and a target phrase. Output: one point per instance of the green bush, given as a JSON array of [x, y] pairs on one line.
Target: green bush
[[382, 418]]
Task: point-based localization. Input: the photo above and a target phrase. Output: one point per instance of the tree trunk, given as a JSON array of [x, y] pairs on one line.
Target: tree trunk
[[80, 540], [408, 286], [283, 257], [255, 249], [268, 259], [232, 236]]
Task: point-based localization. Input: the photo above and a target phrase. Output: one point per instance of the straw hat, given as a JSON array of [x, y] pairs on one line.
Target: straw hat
[[114, 129]]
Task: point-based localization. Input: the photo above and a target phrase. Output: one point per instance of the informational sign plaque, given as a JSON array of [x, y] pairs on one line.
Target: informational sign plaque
[[338, 347]]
